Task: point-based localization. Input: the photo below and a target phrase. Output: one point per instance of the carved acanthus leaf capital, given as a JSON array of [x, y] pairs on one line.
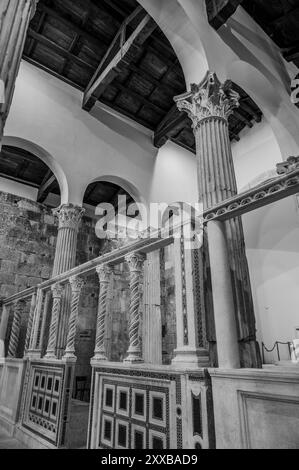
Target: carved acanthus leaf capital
[[210, 98], [135, 261], [69, 216], [104, 272], [76, 283], [57, 290]]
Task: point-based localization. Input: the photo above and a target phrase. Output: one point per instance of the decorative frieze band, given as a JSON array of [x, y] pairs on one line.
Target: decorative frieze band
[[262, 195]]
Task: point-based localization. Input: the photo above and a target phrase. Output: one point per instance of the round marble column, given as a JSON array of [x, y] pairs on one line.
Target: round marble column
[[69, 218], [15, 16], [225, 323], [209, 106]]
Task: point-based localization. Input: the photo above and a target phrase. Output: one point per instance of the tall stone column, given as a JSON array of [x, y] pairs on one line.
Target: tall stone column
[[15, 16], [135, 262], [69, 218], [209, 106], [104, 273], [190, 351]]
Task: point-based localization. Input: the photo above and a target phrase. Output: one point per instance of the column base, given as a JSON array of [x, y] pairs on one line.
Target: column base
[[133, 358], [50, 356], [100, 357], [189, 358], [33, 354], [69, 356]]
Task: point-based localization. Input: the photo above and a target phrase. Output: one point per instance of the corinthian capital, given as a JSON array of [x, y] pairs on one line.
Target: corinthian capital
[[135, 261], [210, 98], [104, 272], [69, 216]]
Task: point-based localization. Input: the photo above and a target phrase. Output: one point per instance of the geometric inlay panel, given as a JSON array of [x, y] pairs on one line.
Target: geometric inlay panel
[[43, 402], [133, 416]]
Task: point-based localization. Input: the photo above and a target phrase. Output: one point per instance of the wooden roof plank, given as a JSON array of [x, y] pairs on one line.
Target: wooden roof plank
[[105, 75]]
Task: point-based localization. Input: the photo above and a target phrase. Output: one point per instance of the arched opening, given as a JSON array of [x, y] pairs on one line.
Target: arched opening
[[24, 174]]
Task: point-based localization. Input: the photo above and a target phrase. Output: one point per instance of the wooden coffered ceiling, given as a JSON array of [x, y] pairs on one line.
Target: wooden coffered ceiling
[[115, 53]]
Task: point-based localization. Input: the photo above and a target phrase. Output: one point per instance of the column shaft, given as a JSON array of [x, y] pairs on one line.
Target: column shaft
[[76, 287], [190, 351], [15, 329], [104, 273], [30, 322], [135, 262], [152, 321], [225, 324], [15, 16], [3, 329], [57, 291]]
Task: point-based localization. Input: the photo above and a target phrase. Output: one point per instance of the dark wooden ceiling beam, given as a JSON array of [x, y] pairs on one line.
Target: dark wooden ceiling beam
[[172, 122], [120, 53], [219, 11], [139, 97], [127, 113], [285, 17], [53, 73], [248, 109], [98, 40], [241, 117], [59, 50], [45, 187], [38, 30]]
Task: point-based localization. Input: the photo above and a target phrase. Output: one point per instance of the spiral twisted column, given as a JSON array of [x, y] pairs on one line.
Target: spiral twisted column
[[136, 263], [57, 291], [76, 283], [69, 218], [15, 329], [30, 321], [3, 328], [209, 106], [104, 272], [15, 16]]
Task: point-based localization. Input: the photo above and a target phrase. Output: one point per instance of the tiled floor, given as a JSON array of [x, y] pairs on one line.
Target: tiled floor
[[7, 442]]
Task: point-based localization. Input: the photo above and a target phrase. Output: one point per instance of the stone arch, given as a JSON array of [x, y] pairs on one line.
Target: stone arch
[[182, 35], [46, 157], [275, 103]]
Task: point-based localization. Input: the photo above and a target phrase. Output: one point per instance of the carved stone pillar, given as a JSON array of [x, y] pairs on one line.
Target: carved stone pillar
[[33, 348], [15, 329], [76, 283], [152, 321], [69, 218], [135, 262], [57, 291], [209, 106], [30, 322], [190, 351], [104, 273], [15, 16], [3, 329]]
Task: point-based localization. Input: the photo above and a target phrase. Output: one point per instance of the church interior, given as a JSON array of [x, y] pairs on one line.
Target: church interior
[[133, 110]]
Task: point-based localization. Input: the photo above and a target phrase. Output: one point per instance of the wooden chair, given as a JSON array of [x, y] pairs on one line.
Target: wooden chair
[[81, 388]]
